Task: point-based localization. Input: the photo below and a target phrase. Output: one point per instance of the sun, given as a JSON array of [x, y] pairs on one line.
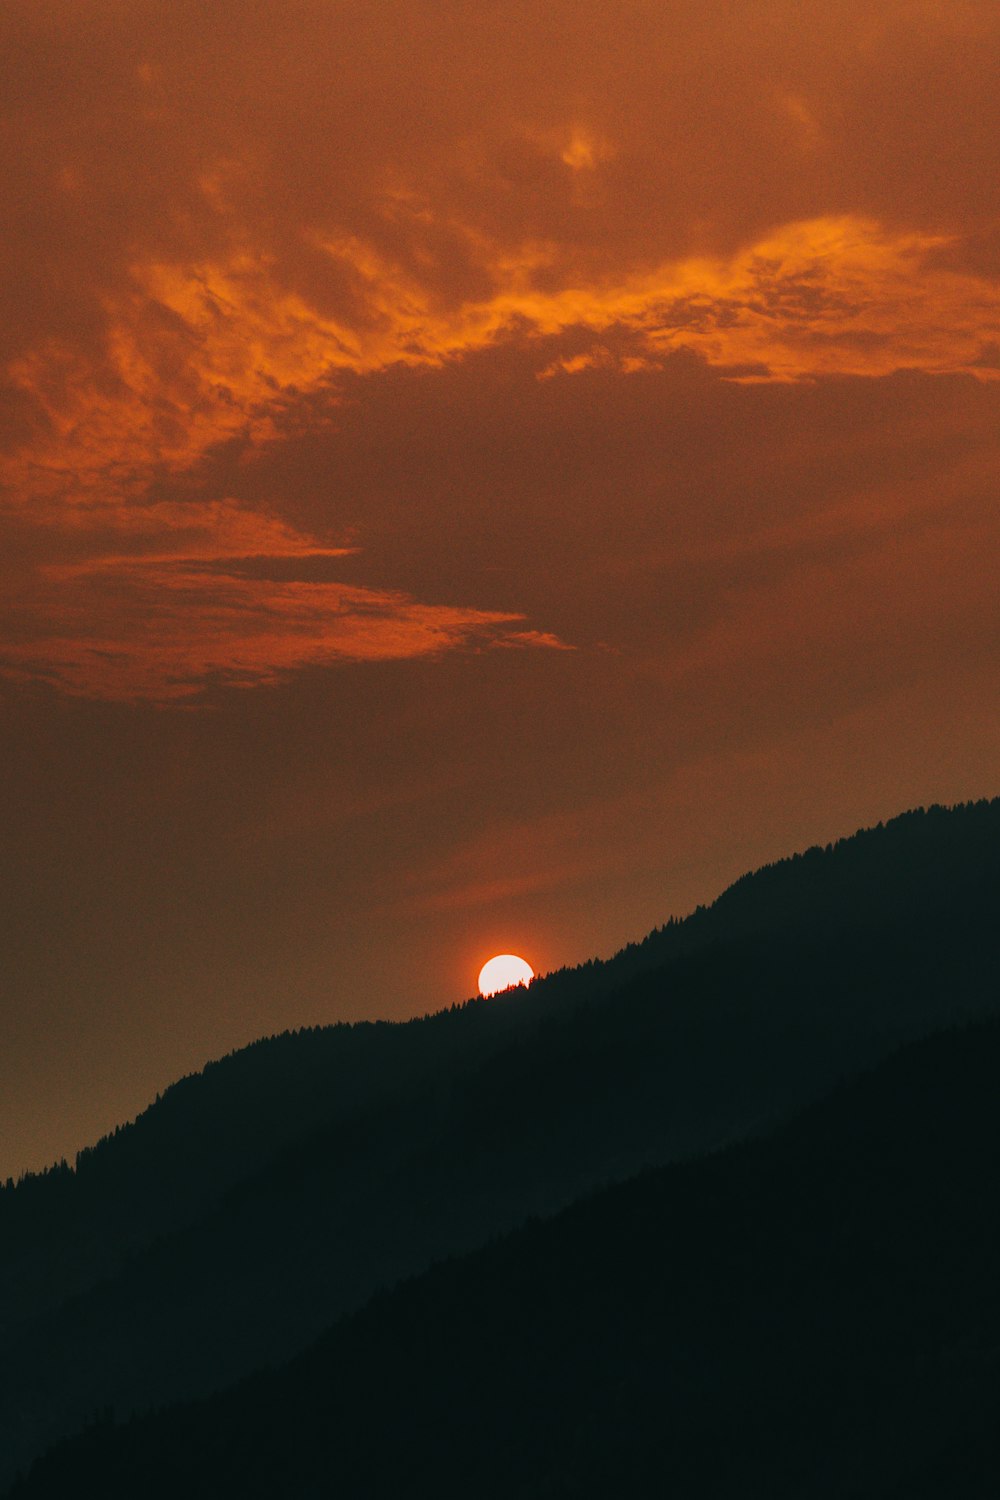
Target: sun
[[502, 972]]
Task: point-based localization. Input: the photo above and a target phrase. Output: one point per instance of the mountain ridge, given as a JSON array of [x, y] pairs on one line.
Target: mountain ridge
[[810, 1313], [507, 1108], [677, 934]]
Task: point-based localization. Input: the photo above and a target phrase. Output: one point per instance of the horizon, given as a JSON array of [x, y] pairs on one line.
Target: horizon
[[70, 1161]]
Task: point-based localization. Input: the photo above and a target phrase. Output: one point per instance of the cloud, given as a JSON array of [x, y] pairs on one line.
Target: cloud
[[202, 596], [217, 240], [201, 222], [166, 633], [196, 356]]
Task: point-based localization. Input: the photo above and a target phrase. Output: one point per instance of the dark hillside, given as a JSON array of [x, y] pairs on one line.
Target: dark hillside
[[816, 1314], [62, 1231], [403, 1144]]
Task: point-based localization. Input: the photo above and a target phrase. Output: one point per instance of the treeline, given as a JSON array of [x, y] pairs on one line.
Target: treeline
[[313, 1071]]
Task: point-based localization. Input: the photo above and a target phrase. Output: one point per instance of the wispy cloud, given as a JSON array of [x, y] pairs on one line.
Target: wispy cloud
[[200, 596]]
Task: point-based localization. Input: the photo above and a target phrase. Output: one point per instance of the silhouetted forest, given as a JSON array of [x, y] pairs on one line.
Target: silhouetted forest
[[258, 1202], [816, 1314]]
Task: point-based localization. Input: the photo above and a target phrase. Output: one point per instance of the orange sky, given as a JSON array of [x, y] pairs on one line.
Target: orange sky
[[473, 477]]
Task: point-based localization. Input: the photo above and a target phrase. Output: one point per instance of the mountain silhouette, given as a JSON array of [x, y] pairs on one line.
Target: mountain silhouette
[[812, 1314], [258, 1202]]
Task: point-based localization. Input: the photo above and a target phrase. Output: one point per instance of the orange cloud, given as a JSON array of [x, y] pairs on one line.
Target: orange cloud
[[208, 232], [197, 355], [165, 631], [203, 595]]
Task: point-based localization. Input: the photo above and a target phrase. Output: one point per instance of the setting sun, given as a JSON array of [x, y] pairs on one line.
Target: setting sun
[[502, 972]]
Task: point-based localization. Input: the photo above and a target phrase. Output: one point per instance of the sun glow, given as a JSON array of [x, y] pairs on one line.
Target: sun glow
[[502, 972]]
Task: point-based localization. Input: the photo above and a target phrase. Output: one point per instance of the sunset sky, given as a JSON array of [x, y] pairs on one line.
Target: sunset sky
[[476, 477]]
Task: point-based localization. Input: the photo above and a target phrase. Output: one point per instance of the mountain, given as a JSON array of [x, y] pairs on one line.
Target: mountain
[[257, 1203], [812, 1314]]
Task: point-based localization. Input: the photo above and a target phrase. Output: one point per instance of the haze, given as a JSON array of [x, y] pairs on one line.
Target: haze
[[476, 478]]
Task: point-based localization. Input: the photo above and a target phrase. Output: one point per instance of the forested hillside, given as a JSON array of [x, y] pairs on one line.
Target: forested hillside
[[260, 1201], [814, 1314]]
